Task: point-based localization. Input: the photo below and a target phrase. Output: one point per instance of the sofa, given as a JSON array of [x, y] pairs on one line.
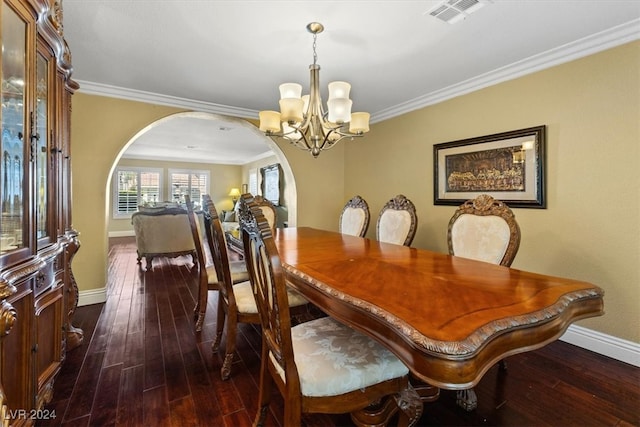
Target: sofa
[[229, 221], [163, 232]]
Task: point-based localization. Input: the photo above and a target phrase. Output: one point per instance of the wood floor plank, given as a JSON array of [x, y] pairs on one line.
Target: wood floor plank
[[182, 411], [164, 373], [130, 411], [105, 404], [155, 407], [84, 391]]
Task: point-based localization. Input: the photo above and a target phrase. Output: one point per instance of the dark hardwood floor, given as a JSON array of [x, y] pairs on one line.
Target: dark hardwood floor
[[141, 364]]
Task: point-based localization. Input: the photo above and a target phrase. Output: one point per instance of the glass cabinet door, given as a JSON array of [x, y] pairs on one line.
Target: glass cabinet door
[[41, 144], [13, 119]]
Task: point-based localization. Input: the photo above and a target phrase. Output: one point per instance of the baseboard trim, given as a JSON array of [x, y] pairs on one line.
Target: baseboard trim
[[126, 233], [92, 296], [606, 345]]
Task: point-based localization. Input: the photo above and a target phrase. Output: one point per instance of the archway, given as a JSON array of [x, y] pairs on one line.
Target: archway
[[248, 131]]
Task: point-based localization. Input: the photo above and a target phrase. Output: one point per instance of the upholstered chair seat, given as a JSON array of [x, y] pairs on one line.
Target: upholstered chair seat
[[238, 273], [324, 371], [246, 302]]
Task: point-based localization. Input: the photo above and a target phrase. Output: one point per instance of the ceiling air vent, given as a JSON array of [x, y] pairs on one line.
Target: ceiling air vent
[[452, 11]]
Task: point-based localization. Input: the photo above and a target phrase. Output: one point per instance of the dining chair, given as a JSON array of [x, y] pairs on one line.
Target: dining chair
[[483, 229], [354, 219], [268, 210], [208, 273], [320, 366], [236, 303], [397, 221]]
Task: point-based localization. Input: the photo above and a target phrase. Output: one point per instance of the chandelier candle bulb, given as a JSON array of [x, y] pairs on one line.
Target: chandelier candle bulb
[[269, 121], [359, 123], [339, 90], [339, 110], [290, 90], [291, 110]]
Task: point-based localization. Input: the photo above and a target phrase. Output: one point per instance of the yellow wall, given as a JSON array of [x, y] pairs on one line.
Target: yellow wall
[[589, 231], [287, 189], [591, 227], [100, 129], [223, 178]]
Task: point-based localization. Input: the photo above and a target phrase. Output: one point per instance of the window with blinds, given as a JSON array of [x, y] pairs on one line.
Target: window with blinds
[[192, 182], [134, 187]]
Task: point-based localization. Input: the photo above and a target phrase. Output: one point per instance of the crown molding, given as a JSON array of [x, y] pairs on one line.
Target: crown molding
[[595, 43], [92, 88]]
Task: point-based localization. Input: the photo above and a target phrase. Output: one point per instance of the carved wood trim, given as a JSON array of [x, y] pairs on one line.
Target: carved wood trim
[[470, 345]]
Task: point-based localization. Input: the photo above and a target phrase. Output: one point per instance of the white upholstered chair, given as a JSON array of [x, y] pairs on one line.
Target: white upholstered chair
[[483, 229], [320, 366], [354, 219], [397, 221]]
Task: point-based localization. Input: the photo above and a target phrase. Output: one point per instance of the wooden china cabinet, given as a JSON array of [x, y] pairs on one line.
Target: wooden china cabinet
[[38, 293]]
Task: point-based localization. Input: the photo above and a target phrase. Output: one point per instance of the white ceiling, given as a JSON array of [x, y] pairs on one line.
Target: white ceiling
[[228, 57]]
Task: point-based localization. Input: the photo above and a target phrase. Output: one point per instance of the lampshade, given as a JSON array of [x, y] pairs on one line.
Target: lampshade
[[234, 193], [290, 90], [269, 121], [359, 122], [339, 90], [291, 110], [339, 110]]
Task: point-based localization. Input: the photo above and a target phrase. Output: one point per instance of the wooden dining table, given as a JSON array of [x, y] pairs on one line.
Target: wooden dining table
[[449, 319]]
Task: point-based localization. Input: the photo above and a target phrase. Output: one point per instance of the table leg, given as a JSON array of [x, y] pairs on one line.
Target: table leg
[[467, 399]]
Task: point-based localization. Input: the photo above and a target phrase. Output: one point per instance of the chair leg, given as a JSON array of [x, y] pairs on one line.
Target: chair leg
[[232, 326], [219, 325], [264, 393], [201, 305]]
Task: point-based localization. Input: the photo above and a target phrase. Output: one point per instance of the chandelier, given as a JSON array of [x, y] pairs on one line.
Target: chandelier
[[303, 121]]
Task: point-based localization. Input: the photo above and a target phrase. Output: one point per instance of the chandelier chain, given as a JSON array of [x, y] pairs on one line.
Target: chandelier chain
[[315, 55]]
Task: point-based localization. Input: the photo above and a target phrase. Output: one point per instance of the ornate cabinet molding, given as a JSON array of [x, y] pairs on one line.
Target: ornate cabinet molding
[[38, 293]]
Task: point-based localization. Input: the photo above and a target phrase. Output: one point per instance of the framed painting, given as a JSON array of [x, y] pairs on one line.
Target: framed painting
[[509, 166], [271, 183]]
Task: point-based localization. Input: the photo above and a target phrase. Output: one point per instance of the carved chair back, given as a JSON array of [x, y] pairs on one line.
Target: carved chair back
[[268, 211], [354, 219], [397, 222], [484, 229]]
